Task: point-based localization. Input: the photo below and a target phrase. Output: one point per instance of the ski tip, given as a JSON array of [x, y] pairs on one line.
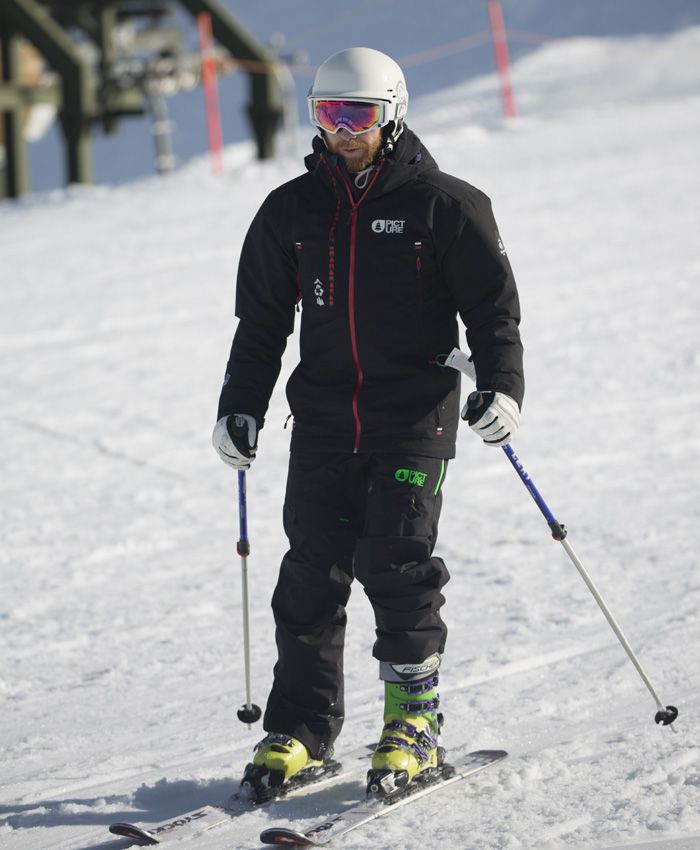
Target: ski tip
[[484, 757], [136, 833], [495, 755], [289, 837]]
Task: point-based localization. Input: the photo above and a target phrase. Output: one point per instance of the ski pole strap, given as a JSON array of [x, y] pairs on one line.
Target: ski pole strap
[[460, 361]]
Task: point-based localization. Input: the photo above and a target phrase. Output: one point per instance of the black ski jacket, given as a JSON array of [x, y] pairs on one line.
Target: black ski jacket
[[381, 275]]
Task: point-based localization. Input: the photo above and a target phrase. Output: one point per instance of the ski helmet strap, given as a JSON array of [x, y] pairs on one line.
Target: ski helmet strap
[[391, 133]]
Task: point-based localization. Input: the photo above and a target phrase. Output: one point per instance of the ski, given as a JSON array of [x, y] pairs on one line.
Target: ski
[[378, 807], [207, 817], [194, 822]]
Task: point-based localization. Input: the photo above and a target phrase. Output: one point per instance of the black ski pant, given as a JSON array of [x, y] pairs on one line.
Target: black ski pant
[[373, 516]]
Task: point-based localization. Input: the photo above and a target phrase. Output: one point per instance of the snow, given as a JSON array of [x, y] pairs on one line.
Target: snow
[[120, 620]]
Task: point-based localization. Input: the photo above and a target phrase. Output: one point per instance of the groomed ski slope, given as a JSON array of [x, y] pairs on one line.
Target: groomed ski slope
[[121, 665]]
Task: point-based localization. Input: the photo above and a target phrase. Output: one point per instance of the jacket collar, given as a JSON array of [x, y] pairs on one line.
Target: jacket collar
[[406, 162]]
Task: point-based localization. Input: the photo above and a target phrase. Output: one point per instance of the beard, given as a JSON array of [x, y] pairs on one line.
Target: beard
[[355, 164]]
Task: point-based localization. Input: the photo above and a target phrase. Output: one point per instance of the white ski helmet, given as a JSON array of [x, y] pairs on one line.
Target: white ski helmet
[[365, 75]]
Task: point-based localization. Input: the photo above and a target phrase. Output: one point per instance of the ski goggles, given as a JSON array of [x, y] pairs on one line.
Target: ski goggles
[[356, 116]]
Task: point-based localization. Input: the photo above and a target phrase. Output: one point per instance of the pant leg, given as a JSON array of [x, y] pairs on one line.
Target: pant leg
[[322, 510], [394, 560]]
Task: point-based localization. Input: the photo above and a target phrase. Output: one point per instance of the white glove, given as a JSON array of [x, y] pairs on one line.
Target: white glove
[[235, 439], [495, 417]]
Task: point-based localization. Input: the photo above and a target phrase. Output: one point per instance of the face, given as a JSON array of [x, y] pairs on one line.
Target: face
[[359, 151]]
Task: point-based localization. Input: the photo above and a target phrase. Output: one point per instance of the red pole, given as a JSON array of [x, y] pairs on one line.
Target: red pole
[[211, 98], [500, 47]]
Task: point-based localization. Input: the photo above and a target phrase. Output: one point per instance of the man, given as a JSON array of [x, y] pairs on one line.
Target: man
[[383, 251]]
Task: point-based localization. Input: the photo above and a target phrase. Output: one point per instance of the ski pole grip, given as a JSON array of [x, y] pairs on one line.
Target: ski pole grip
[[243, 543]]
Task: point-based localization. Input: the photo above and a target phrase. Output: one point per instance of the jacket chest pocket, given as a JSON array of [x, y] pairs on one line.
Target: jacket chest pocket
[[403, 269], [423, 263]]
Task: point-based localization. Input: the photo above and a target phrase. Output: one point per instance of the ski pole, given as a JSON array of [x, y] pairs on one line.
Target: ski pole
[[666, 714], [249, 712]]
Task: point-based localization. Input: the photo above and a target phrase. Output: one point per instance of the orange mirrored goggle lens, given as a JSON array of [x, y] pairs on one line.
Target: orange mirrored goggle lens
[[356, 117]]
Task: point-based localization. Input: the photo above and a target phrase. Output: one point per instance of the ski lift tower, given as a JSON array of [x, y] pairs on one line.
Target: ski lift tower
[[95, 79]]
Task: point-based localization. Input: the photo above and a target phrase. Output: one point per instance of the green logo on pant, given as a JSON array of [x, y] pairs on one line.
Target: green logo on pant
[[411, 476]]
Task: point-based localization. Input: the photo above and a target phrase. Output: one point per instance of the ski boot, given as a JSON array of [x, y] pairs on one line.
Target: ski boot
[[409, 748], [281, 763]]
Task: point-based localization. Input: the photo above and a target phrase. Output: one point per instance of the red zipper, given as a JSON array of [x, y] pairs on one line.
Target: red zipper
[[351, 297], [353, 336]]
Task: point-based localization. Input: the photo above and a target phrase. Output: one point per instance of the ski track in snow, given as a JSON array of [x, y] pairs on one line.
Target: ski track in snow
[[121, 669]]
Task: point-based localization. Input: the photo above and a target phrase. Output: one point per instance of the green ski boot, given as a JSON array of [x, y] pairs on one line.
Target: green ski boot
[[410, 741], [279, 764]]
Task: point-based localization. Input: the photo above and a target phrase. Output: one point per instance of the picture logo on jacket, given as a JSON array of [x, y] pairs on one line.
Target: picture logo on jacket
[[318, 292], [388, 225]]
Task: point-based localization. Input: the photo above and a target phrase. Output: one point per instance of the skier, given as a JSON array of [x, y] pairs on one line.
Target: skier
[[383, 251]]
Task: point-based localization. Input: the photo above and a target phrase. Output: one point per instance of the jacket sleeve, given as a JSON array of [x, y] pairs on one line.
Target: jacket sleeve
[[266, 294], [478, 274]]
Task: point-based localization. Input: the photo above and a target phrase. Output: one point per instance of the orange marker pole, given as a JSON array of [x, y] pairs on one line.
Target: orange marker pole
[[211, 98], [500, 48]]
